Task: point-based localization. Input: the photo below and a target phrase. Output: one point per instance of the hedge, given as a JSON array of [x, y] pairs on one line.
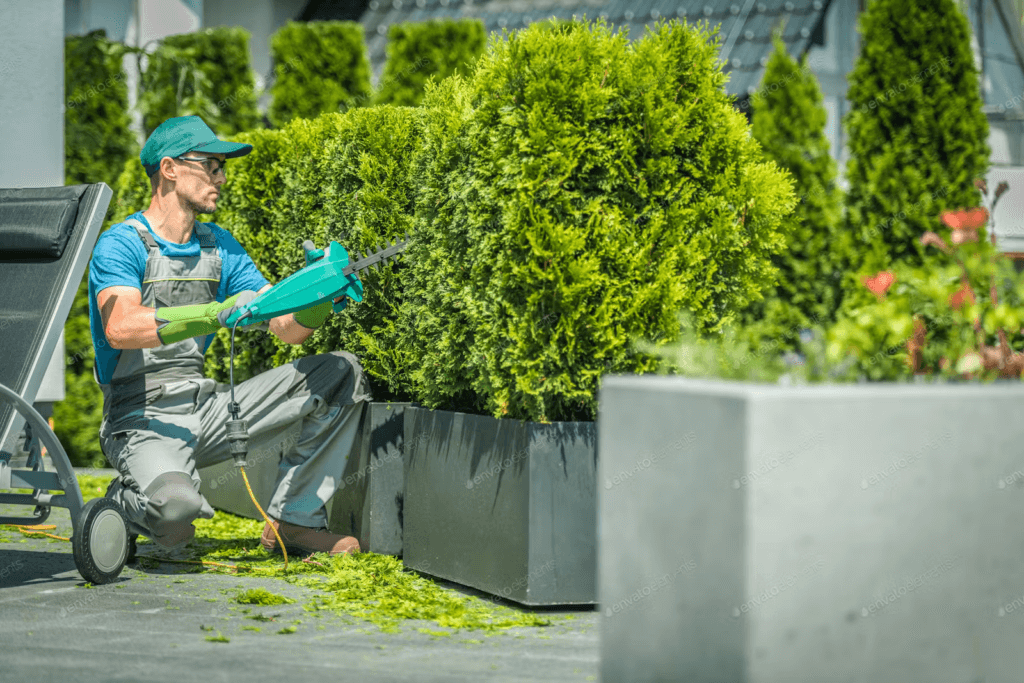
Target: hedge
[[206, 74], [97, 139], [318, 67], [575, 193], [342, 177], [917, 135], [789, 122], [423, 50]]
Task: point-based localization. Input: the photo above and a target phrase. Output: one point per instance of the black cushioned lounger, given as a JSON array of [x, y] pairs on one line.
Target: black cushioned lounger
[[46, 238]]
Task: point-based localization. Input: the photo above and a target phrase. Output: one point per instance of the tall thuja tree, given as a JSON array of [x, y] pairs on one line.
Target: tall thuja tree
[[789, 122], [319, 67], [205, 73], [917, 135], [418, 51]]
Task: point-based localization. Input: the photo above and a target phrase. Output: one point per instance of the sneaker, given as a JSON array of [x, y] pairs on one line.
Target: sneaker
[[303, 540]]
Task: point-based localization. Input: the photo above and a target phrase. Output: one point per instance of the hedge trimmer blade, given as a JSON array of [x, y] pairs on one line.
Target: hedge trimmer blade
[[377, 258]]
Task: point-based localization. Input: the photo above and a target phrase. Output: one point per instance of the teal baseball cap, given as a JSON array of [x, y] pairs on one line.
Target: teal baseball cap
[[183, 134]]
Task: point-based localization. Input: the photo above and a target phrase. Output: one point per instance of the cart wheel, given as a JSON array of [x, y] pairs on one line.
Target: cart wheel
[[100, 541]]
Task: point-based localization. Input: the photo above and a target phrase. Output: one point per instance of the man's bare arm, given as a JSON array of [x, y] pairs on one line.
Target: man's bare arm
[[127, 323], [286, 329]]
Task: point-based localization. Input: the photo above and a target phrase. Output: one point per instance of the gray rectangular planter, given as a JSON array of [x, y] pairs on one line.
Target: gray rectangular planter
[[503, 506], [804, 534], [368, 503]]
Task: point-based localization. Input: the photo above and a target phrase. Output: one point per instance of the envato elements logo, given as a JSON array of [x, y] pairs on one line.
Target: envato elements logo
[[650, 589], [778, 460], [646, 463], [908, 587], [498, 467], [779, 588], [1011, 607], [905, 462], [1012, 478]]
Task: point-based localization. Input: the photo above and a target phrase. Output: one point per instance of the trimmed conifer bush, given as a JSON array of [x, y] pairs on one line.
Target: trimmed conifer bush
[[342, 177], [421, 50], [205, 73], [917, 135], [576, 193], [789, 122], [319, 67]]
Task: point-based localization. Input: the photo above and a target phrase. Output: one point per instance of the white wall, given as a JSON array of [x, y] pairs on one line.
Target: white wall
[[31, 93]]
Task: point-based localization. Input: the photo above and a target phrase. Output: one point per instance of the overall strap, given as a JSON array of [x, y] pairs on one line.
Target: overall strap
[[206, 237], [145, 235], [207, 240]]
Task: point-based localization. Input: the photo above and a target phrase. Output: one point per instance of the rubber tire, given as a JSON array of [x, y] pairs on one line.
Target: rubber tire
[[100, 541]]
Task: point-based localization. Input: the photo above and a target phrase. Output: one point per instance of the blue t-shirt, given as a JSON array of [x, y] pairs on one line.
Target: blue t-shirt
[[119, 260]]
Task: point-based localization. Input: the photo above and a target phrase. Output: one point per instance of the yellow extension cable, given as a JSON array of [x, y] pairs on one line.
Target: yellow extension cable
[[37, 530]]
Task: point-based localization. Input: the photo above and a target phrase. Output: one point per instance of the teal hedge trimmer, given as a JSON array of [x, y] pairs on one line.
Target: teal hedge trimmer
[[329, 275]]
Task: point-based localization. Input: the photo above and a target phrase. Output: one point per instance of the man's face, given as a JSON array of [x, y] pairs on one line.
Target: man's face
[[196, 185]]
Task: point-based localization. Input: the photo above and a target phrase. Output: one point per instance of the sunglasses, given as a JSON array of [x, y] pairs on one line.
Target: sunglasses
[[211, 164]]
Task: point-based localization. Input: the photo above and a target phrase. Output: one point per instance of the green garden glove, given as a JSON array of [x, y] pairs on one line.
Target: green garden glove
[[178, 323]]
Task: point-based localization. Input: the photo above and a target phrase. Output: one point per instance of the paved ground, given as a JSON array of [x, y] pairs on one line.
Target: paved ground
[[153, 625]]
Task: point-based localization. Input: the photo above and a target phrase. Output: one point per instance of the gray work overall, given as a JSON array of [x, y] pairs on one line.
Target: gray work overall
[[162, 418]]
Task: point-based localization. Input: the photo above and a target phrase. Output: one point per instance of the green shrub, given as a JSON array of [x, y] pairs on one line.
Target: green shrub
[[917, 135], [594, 188], [789, 122], [206, 74], [97, 140], [318, 67], [419, 51]]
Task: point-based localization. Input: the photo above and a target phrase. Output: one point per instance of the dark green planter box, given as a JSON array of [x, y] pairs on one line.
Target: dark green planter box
[[503, 506]]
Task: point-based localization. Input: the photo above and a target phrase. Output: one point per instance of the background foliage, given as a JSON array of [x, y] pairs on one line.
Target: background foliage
[[418, 51], [789, 122], [319, 67], [205, 73]]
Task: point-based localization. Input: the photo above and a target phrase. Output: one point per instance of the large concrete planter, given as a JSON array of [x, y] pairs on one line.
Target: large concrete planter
[[807, 534], [503, 506], [368, 503]]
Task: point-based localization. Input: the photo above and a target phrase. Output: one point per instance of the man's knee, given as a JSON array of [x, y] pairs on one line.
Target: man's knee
[[173, 504]]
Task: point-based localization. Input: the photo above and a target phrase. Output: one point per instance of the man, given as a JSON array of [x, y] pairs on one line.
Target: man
[[160, 284]]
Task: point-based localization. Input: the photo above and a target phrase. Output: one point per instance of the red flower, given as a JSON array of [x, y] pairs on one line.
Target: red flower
[[963, 295], [969, 219], [880, 283]]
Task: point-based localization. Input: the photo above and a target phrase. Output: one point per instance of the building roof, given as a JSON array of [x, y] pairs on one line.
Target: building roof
[[745, 26]]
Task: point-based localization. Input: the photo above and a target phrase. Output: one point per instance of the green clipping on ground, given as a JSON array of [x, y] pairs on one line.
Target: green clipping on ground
[[374, 588]]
